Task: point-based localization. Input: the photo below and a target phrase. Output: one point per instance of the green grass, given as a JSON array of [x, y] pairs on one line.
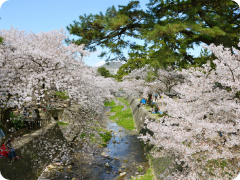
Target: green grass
[[117, 108], [123, 100], [147, 176], [123, 118], [62, 123], [139, 169], [104, 134], [107, 103], [105, 138]]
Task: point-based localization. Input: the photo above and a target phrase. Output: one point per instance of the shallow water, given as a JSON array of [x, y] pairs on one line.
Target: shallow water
[[125, 155]]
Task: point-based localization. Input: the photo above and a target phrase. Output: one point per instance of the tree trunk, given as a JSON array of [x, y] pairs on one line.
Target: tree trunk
[[5, 116], [149, 99]]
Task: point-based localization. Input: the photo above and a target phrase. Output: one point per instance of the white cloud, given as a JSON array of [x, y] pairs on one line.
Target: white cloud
[[99, 64]]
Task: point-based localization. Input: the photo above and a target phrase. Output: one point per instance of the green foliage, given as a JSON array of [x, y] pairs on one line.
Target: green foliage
[[17, 122], [168, 29], [62, 95], [62, 123], [105, 137], [138, 57], [147, 176], [82, 135], [104, 72], [104, 134], [140, 169], [1, 39], [107, 103]]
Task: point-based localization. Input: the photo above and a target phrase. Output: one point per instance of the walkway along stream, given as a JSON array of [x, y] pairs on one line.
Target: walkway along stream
[[122, 158]]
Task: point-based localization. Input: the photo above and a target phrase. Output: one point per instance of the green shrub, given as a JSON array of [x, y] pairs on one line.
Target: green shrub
[[140, 169], [108, 103], [105, 137], [62, 95], [17, 122]]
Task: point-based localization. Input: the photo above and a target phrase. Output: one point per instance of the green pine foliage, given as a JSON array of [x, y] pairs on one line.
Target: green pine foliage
[[168, 29]]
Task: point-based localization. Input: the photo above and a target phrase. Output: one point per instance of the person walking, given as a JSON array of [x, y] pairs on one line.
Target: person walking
[[156, 96]]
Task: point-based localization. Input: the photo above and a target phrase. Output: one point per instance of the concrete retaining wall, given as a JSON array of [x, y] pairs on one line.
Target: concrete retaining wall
[[161, 166], [36, 151]]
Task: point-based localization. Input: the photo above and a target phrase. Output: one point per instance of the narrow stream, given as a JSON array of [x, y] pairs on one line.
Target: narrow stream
[[123, 153]]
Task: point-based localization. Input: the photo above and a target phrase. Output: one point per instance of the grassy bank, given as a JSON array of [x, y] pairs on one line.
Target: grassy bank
[[60, 123], [122, 118], [147, 176], [104, 134], [108, 103], [123, 100]]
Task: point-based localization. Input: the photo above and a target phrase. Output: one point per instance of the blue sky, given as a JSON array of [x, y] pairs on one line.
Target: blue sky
[[46, 15]]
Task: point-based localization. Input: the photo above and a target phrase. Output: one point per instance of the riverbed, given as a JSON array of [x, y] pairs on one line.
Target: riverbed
[[123, 155]]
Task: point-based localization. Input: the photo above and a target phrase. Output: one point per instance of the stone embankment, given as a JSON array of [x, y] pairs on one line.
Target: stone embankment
[[36, 151], [39, 148], [163, 166]]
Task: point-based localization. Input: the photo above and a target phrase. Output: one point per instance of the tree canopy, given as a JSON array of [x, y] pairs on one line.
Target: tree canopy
[[1, 39], [169, 29], [104, 72]]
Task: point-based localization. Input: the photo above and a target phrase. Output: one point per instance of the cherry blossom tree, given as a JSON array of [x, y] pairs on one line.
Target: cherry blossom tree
[[208, 108], [34, 66], [148, 80]]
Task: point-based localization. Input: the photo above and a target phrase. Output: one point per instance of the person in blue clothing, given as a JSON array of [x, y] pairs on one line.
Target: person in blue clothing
[[1, 133], [143, 101], [158, 110]]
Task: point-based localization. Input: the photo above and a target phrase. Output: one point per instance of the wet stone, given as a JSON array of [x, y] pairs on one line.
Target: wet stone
[[70, 166], [107, 164], [122, 174]]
